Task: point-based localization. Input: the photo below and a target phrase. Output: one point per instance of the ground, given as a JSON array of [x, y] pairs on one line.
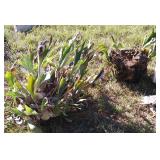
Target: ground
[[112, 106]]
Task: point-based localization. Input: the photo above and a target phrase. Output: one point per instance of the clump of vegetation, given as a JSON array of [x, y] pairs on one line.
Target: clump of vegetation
[[131, 64], [40, 89], [149, 44]]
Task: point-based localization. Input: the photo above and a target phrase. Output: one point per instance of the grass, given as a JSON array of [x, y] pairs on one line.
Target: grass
[[114, 107]]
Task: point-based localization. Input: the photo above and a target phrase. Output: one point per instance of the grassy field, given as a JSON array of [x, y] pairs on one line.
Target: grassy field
[[114, 107]]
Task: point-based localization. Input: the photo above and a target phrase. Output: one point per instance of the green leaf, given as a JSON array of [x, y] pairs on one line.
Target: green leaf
[[104, 50], [82, 68], [44, 55], [9, 78], [16, 112], [39, 81], [78, 84], [50, 40], [152, 52], [63, 53], [27, 62], [29, 111], [78, 53], [76, 68], [62, 86], [116, 45], [30, 84], [120, 45], [149, 38], [113, 39], [14, 95]]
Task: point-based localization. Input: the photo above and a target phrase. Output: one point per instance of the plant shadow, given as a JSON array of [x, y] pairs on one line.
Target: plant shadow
[[144, 87], [94, 119]]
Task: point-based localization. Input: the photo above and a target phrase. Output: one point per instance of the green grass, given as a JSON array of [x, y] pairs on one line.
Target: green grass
[[129, 35], [120, 103]]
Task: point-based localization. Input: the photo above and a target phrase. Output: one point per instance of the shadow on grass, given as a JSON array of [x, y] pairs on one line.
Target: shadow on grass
[[94, 119], [145, 86]]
